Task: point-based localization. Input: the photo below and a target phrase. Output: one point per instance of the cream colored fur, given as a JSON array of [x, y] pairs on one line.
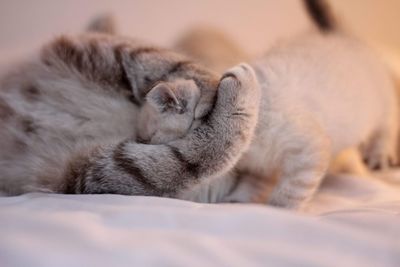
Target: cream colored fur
[[322, 96]]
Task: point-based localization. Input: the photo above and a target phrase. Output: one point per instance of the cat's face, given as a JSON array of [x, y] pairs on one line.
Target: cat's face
[[168, 112]]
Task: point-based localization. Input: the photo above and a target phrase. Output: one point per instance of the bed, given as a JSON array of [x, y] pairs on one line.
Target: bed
[[352, 221]]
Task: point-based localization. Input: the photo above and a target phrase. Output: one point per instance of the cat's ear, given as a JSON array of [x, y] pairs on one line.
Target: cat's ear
[[104, 23], [163, 98]]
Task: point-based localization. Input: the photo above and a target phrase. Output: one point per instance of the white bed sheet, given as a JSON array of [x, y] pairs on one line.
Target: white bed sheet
[[352, 221]]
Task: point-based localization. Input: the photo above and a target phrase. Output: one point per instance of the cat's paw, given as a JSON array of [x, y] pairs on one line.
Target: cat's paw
[[239, 86], [380, 157], [380, 153]]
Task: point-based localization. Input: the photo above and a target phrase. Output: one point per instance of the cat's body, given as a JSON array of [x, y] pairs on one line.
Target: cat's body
[[68, 120], [322, 93]]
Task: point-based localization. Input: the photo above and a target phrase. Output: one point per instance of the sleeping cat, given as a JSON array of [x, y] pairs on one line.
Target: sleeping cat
[[322, 93], [68, 119]]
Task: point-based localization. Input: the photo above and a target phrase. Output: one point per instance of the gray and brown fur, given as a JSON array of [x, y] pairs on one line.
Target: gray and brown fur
[[68, 119]]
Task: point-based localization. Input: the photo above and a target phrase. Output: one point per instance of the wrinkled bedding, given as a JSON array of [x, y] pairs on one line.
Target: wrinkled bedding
[[352, 221]]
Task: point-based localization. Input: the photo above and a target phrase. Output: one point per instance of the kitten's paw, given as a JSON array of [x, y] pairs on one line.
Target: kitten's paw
[[240, 87], [380, 159], [379, 154]]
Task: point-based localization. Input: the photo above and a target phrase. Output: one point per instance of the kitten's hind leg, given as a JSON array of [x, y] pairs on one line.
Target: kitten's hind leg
[[381, 150], [304, 162], [245, 188]]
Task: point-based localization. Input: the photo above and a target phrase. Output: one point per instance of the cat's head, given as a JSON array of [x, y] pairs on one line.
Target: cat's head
[[182, 68], [171, 91], [168, 112]]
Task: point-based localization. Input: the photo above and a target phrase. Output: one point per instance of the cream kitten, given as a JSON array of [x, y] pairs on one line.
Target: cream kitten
[[321, 94]]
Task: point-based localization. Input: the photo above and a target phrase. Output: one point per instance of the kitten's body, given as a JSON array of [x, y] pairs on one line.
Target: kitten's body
[[321, 94], [68, 120], [50, 117]]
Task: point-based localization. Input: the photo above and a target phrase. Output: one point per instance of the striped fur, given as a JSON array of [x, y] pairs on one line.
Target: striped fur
[[68, 120]]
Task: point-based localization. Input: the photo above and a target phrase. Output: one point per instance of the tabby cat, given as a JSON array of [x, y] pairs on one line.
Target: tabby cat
[[69, 115]]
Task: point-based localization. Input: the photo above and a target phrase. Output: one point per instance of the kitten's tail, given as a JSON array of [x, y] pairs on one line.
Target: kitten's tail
[[321, 14]]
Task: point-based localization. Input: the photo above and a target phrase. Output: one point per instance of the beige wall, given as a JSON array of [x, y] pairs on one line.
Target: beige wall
[[378, 20], [375, 20], [253, 23]]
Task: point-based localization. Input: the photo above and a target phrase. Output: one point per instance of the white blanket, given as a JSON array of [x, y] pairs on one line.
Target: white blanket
[[353, 221]]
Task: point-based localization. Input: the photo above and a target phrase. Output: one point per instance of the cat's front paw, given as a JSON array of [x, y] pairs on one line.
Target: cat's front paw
[[239, 85]]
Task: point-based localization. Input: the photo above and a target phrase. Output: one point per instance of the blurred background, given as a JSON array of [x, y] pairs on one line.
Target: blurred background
[[254, 24]]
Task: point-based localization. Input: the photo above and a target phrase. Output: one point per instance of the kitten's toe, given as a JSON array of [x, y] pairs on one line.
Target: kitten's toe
[[380, 152], [244, 74], [243, 80], [380, 159]]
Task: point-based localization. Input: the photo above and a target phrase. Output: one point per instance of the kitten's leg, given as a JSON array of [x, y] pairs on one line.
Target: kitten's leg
[[212, 190], [304, 162], [166, 170], [231, 187], [381, 150], [244, 188]]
